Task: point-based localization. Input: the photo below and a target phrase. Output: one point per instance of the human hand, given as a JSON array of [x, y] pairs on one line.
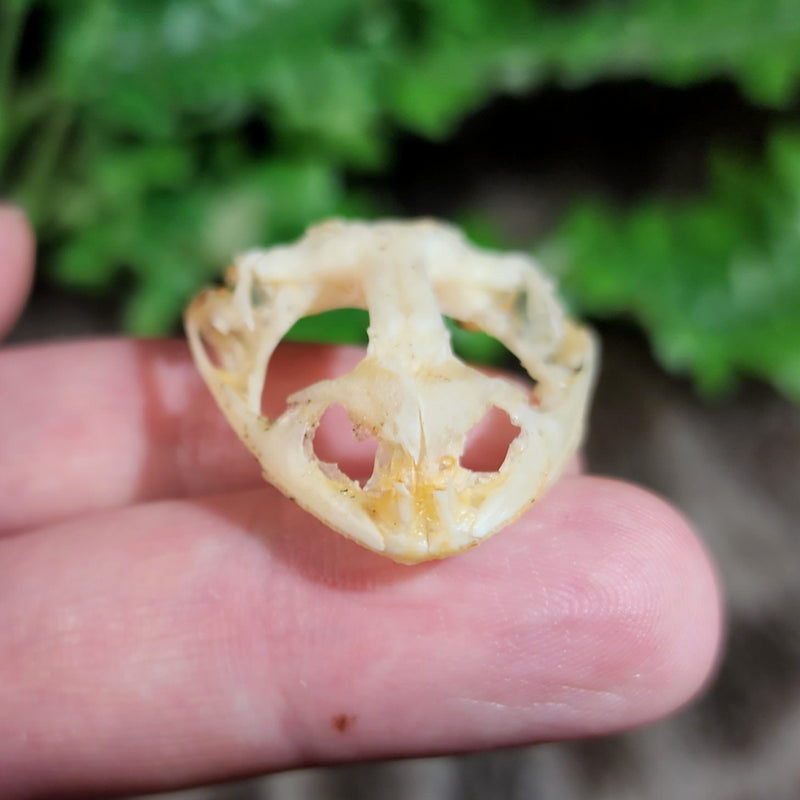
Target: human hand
[[167, 619]]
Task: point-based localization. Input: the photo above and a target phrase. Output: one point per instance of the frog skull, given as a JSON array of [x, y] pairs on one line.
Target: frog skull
[[410, 392]]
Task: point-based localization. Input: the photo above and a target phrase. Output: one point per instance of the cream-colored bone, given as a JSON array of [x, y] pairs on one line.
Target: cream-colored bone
[[410, 392]]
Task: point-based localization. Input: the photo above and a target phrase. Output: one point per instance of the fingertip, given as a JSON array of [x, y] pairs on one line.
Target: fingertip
[[621, 623], [17, 247], [668, 609], [688, 643]]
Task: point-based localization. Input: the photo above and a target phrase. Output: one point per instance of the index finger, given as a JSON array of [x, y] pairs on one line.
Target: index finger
[[94, 425]]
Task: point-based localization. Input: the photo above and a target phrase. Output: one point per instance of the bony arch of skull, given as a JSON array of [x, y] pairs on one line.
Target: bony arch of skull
[[410, 392]]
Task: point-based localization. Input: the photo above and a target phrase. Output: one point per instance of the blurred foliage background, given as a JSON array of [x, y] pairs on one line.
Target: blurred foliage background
[[152, 139]]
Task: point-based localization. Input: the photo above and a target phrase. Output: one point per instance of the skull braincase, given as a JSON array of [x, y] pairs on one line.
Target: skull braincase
[[409, 392]]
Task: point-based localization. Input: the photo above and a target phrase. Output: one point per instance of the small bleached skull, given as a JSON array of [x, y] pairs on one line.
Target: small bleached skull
[[410, 392]]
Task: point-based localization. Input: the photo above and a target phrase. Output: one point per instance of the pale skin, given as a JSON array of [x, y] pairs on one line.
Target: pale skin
[[167, 619]]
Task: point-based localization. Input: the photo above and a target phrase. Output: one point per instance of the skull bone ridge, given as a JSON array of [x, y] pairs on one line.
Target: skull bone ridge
[[410, 392]]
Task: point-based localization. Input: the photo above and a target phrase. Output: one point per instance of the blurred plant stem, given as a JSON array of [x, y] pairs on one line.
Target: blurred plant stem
[[12, 19], [41, 161]]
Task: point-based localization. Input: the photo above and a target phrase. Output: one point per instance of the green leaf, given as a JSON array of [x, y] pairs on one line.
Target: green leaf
[[715, 282], [152, 139]]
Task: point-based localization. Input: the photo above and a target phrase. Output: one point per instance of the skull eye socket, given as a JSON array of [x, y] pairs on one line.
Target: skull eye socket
[[487, 443], [300, 361], [296, 365], [340, 441]]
